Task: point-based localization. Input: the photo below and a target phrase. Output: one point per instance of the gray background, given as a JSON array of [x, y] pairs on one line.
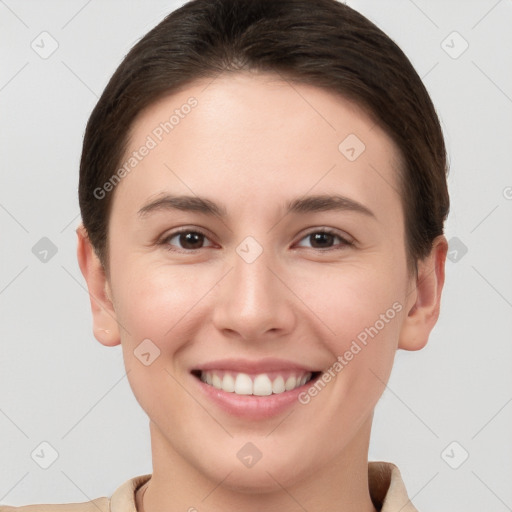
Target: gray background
[[58, 385]]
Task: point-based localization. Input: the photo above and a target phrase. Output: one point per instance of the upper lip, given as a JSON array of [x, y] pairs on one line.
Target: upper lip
[[256, 366]]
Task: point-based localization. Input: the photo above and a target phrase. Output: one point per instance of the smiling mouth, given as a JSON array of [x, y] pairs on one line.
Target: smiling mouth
[[262, 384]]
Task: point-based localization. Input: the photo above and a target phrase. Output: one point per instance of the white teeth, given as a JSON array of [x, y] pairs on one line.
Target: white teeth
[[216, 382], [228, 383], [290, 383], [263, 385], [243, 384], [278, 385]]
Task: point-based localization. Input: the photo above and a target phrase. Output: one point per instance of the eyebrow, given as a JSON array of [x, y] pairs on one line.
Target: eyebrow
[[308, 204]]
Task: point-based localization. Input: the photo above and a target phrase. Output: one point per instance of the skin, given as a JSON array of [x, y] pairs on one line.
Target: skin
[[254, 142]]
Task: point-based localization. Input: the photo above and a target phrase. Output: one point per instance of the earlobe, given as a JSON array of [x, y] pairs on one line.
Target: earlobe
[[105, 326], [424, 306]]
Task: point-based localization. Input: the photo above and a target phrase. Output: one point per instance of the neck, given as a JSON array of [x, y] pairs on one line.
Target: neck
[[339, 484]]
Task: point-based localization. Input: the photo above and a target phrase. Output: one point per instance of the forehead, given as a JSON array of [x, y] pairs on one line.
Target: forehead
[[263, 137]]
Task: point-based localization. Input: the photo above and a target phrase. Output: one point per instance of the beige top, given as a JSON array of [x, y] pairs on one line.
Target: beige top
[[387, 490]]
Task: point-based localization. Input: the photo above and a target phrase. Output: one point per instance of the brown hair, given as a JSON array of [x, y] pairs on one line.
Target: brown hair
[[319, 42]]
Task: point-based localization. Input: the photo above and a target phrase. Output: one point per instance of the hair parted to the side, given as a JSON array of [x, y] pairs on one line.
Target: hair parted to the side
[[317, 42]]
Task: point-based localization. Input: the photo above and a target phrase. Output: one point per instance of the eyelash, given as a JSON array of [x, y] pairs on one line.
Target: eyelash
[[344, 242]]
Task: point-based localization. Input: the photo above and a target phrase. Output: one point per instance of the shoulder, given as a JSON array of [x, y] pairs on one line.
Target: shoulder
[[123, 500], [97, 505], [387, 488]]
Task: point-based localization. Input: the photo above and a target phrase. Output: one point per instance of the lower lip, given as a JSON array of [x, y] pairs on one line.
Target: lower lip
[[250, 406]]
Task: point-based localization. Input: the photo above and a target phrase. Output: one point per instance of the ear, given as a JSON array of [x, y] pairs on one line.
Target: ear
[[425, 298], [105, 326]]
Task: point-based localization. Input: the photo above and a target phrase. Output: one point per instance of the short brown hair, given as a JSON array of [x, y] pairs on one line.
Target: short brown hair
[[319, 42]]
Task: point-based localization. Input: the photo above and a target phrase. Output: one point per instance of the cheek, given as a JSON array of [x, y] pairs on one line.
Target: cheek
[[349, 299], [154, 301], [156, 307], [362, 312]]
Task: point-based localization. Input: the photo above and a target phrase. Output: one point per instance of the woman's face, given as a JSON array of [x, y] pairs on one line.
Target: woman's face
[[291, 262]]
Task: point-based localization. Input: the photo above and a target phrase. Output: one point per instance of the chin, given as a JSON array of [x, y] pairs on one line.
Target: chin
[[266, 475], [258, 481]]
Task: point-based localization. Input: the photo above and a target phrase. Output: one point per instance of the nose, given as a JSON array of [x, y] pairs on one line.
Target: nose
[[254, 301]]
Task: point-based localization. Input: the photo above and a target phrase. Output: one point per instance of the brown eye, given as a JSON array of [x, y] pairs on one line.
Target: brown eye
[[324, 239], [185, 240], [320, 240]]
